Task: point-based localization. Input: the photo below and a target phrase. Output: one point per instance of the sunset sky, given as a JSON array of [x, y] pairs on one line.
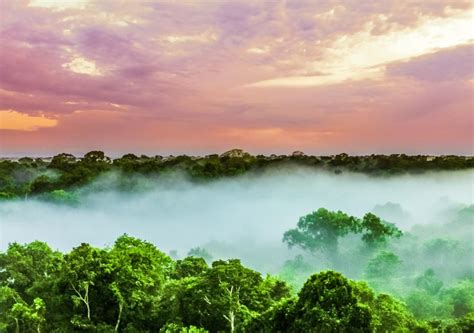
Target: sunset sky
[[170, 77]]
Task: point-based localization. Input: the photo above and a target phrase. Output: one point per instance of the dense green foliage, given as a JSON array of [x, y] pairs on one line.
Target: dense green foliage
[[434, 276], [134, 287], [322, 229], [54, 179]]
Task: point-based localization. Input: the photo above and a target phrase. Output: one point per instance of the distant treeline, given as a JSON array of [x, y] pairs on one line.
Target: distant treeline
[[25, 176], [134, 287]]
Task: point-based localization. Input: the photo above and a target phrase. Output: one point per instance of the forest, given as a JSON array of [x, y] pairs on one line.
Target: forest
[[341, 244], [53, 176], [134, 287]]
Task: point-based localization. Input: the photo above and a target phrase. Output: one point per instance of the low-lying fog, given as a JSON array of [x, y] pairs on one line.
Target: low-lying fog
[[242, 217]]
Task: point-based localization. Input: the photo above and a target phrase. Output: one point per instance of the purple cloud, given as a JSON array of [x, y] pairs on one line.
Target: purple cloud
[[445, 65]]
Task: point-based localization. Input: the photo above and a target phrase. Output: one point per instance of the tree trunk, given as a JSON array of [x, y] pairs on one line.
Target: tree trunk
[[88, 311], [119, 317], [232, 321], [86, 300], [231, 317], [17, 326]]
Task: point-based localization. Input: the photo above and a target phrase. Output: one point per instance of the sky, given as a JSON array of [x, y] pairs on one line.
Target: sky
[[197, 77]]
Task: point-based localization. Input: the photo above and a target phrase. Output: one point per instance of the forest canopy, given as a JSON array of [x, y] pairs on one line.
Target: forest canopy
[[54, 178], [134, 287]]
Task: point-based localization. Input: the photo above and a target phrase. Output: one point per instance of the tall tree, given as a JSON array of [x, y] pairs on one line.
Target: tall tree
[[321, 230], [222, 298], [26, 268], [83, 267], [327, 302], [376, 231], [138, 271]]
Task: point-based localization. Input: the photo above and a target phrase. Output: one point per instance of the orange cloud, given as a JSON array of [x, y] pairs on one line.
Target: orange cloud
[[13, 120]]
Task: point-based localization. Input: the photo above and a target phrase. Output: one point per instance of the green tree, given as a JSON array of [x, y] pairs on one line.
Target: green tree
[[328, 303], [391, 315], [42, 184], [62, 197], [223, 298], [280, 317], [429, 282], [321, 230], [178, 303], [8, 319], [426, 306], [190, 266], [382, 269], [461, 297], [83, 268], [295, 272], [376, 231], [388, 314], [383, 265], [32, 315], [96, 157], [62, 161], [26, 268], [14, 309], [464, 324], [139, 271]]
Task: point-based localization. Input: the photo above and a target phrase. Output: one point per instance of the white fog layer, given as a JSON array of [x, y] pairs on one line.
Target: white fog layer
[[251, 211]]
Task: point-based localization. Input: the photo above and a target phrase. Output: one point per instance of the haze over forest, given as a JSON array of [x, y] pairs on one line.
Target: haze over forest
[[234, 205], [249, 210]]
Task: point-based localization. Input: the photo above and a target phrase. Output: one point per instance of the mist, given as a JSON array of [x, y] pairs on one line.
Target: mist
[[243, 217]]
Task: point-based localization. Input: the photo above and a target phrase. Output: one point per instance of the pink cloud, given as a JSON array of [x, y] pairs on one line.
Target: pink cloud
[[170, 77]]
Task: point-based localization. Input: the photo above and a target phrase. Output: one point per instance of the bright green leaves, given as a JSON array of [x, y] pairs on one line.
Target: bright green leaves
[[327, 302], [221, 298], [27, 267], [31, 315], [83, 267], [17, 315], [134, 287], [189, 267], [321, 230], [137, 271]]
